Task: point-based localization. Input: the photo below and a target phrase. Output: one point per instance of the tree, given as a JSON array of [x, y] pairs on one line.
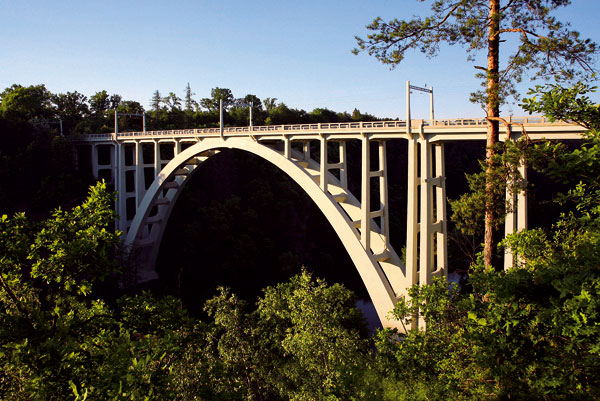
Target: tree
[[115, 101], [19, 102], [99, 103], [270, 103], [172, 101], [309, 323], [545, 45], [190, 103], [58, 339], [298, 344], [254, 101], [155, 101], [217, 94], [71, 108], [323, 115]]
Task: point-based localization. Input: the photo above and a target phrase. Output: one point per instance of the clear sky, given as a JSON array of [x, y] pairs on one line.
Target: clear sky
[[296, 51]]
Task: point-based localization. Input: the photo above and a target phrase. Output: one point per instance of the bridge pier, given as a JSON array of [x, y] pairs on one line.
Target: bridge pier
[[516, 218]]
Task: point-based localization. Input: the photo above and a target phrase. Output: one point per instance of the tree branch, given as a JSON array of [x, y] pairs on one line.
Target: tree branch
[[507, 6], [12, 296], [523, 32], [417, 31]]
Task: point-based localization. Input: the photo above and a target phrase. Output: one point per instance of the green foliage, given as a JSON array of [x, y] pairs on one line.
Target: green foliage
[[19, 102], [468, 211], [309, 329], [566, 104], [298, 344], [531, 332], [60, 341], [218, 94]]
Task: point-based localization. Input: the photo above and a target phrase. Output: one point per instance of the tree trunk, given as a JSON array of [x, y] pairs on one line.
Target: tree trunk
[[493, 110]]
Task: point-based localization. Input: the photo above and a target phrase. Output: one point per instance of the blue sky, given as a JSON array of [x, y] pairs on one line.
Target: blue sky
[[296, 51]]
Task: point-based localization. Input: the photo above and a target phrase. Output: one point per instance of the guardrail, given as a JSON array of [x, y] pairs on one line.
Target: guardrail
[[459, 122]]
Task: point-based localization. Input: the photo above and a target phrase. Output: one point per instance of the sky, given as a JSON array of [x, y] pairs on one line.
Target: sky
[[296, 51]]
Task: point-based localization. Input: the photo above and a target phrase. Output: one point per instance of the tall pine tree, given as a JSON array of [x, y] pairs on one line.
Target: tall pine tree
[[544, 45]]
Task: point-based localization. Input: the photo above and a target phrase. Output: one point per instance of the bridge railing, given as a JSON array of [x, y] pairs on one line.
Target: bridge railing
[[457, 122]]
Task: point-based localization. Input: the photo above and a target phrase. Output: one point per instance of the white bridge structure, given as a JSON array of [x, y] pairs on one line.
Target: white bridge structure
[[150, 168]]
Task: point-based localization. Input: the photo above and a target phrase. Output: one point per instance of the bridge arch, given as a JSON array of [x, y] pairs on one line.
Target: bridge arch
[[147, 227]]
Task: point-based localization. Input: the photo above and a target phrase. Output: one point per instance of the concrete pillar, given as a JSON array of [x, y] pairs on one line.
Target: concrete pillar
[[120, 186], [140, 188], [287, 147], [365, 195], [510, 225], [522, 201], [344, 165], [156, 158], [94, 160], [306, 150], [440, 206], [412, 210], [323, 165], [383, 193], [516, 219], [426, 245]]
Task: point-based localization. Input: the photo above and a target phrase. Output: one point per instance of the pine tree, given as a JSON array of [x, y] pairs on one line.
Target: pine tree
[[545, 45]]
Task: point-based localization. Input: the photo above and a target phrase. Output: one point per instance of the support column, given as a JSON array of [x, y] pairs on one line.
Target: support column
[[426, 245], [120, 186], [156, 158], [440, 207], [344, 165], [323, 166], [94, 160], [412, 210], [287, 147], [516, 219], [522, 200], [510, 225], [306, 150], [365, 195], [140, 188], [383, 193]]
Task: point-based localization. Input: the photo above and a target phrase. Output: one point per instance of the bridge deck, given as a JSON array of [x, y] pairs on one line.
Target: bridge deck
[[436, 130]]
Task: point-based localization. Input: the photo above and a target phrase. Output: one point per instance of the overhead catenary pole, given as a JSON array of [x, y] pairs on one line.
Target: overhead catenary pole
[[251, 107], [142, 114], [431, 116], [427, 90], [116, 123], [221, 116], [408, 107]]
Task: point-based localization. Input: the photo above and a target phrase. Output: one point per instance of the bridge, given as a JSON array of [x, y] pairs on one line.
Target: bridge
[[150, 168]]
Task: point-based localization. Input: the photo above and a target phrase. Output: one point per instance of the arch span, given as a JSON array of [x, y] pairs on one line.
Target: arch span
[[148, 225]]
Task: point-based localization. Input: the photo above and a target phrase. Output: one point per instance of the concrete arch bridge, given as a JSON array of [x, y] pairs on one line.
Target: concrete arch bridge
[[150, 168]]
